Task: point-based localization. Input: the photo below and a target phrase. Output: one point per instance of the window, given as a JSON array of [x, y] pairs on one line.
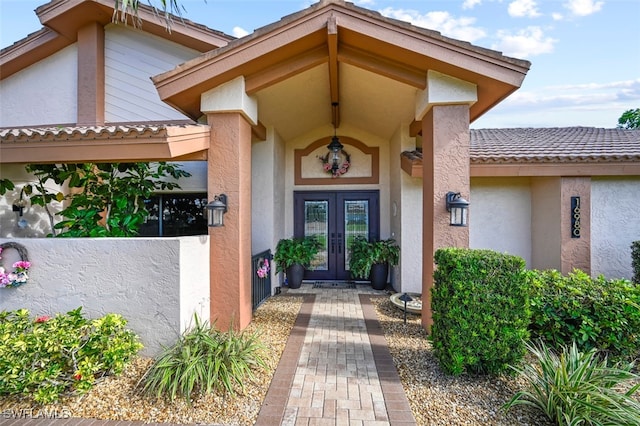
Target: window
[[172, 215]]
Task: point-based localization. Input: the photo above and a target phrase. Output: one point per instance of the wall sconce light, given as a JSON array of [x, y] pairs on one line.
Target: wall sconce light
[[215, 211], [457, 208], [19, 207]]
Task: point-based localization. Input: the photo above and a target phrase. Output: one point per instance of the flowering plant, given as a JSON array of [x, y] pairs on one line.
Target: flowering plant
[[263, 268], [18, 276], [337, 169]]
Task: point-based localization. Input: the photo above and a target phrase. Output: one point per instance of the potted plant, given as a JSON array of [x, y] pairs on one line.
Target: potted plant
[[371, 260], [293, 255]]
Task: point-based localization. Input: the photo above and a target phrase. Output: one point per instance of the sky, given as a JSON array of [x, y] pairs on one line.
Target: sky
[[584, 54]]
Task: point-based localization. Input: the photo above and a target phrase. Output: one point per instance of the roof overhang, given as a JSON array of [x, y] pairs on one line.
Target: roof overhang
[[333, 33], [63, 18], [115, 143]]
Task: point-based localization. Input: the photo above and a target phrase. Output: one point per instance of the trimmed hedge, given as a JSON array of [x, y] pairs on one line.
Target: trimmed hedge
[[596, 313], [480, 310], [635, 261]]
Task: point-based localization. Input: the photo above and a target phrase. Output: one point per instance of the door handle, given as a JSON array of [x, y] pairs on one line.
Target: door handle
[[333, 243], [339, 243]]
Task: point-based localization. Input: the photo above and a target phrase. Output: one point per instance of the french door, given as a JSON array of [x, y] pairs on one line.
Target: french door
[[335, 219]]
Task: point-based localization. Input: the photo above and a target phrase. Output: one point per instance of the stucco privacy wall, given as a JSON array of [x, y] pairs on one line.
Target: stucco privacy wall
[[132, 57], [615, 224], [155, 283], [500, 216], [32, 97]]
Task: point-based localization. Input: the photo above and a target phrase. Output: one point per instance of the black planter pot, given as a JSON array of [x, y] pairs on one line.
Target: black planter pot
[[295, 274], [378, 276]]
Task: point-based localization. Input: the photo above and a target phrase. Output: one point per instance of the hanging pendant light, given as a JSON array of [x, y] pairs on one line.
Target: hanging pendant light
[[335, 146]]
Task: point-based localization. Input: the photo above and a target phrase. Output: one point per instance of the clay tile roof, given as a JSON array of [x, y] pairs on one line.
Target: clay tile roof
[[557, 144], [29, 134], [550, 145]]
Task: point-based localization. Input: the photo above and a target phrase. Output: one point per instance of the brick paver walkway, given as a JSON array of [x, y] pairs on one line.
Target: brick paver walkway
[[344, 374], [335, 370]]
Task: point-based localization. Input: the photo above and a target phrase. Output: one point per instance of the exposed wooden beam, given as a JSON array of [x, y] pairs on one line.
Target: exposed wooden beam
[[284, 70], [394, 70], [259, 131], [415, 128], [332, 43]]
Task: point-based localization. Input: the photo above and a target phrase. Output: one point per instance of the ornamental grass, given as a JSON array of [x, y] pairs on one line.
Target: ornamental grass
[[578, 388], [203, 361]]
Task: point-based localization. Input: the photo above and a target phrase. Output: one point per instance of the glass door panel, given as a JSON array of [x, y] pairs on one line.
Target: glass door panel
[[316, 224], [356, 224]]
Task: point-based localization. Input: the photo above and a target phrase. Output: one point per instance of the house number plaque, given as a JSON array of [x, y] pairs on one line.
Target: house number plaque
[[575, 217]]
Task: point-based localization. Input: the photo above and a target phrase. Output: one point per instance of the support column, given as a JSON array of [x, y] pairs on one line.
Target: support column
[[575, 251], [229, 172], [91, 78], [445, 149]]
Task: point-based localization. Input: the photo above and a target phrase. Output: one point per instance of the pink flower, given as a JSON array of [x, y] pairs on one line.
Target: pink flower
[[327, 167], [43, 318], [22, 264]]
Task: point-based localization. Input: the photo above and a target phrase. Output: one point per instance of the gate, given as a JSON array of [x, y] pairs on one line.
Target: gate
[[261, 278]]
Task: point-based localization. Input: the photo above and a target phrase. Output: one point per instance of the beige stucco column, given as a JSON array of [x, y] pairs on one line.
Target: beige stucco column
[[91, 75], [445, 149], [230, 114], [575, 240], [555, 242]]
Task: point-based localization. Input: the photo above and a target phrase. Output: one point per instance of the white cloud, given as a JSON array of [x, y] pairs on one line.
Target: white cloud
[[470, 4], [583, 7], [527, 42], [557, 16], [459, 28], [523, 8], [365, 3], [239, 32], [589, 104]]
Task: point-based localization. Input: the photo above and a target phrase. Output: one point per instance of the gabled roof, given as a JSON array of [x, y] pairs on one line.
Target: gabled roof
[[61, 20], [519, 151], [335, 32]]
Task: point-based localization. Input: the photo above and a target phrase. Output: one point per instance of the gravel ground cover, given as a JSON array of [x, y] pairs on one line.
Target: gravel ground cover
[[435, 398], [116, 398]]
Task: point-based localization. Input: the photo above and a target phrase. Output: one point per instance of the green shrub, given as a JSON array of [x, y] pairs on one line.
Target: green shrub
[[576, 388], [635, 261], [203, 361], [480, 310], [45, 357], [594, 312]]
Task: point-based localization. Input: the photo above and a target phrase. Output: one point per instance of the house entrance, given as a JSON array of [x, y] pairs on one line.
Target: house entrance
[[335, 218]]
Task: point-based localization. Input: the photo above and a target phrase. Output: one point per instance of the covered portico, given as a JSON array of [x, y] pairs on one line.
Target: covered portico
[[335, 67]]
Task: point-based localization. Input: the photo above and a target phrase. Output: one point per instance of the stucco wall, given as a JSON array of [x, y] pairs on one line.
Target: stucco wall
[[132, 57], [615, 224], [155, 283], [406, 216], [500, 216], [32, 97]]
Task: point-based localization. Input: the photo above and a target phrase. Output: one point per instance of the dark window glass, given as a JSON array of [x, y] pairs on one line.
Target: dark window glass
[[172, 215]]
